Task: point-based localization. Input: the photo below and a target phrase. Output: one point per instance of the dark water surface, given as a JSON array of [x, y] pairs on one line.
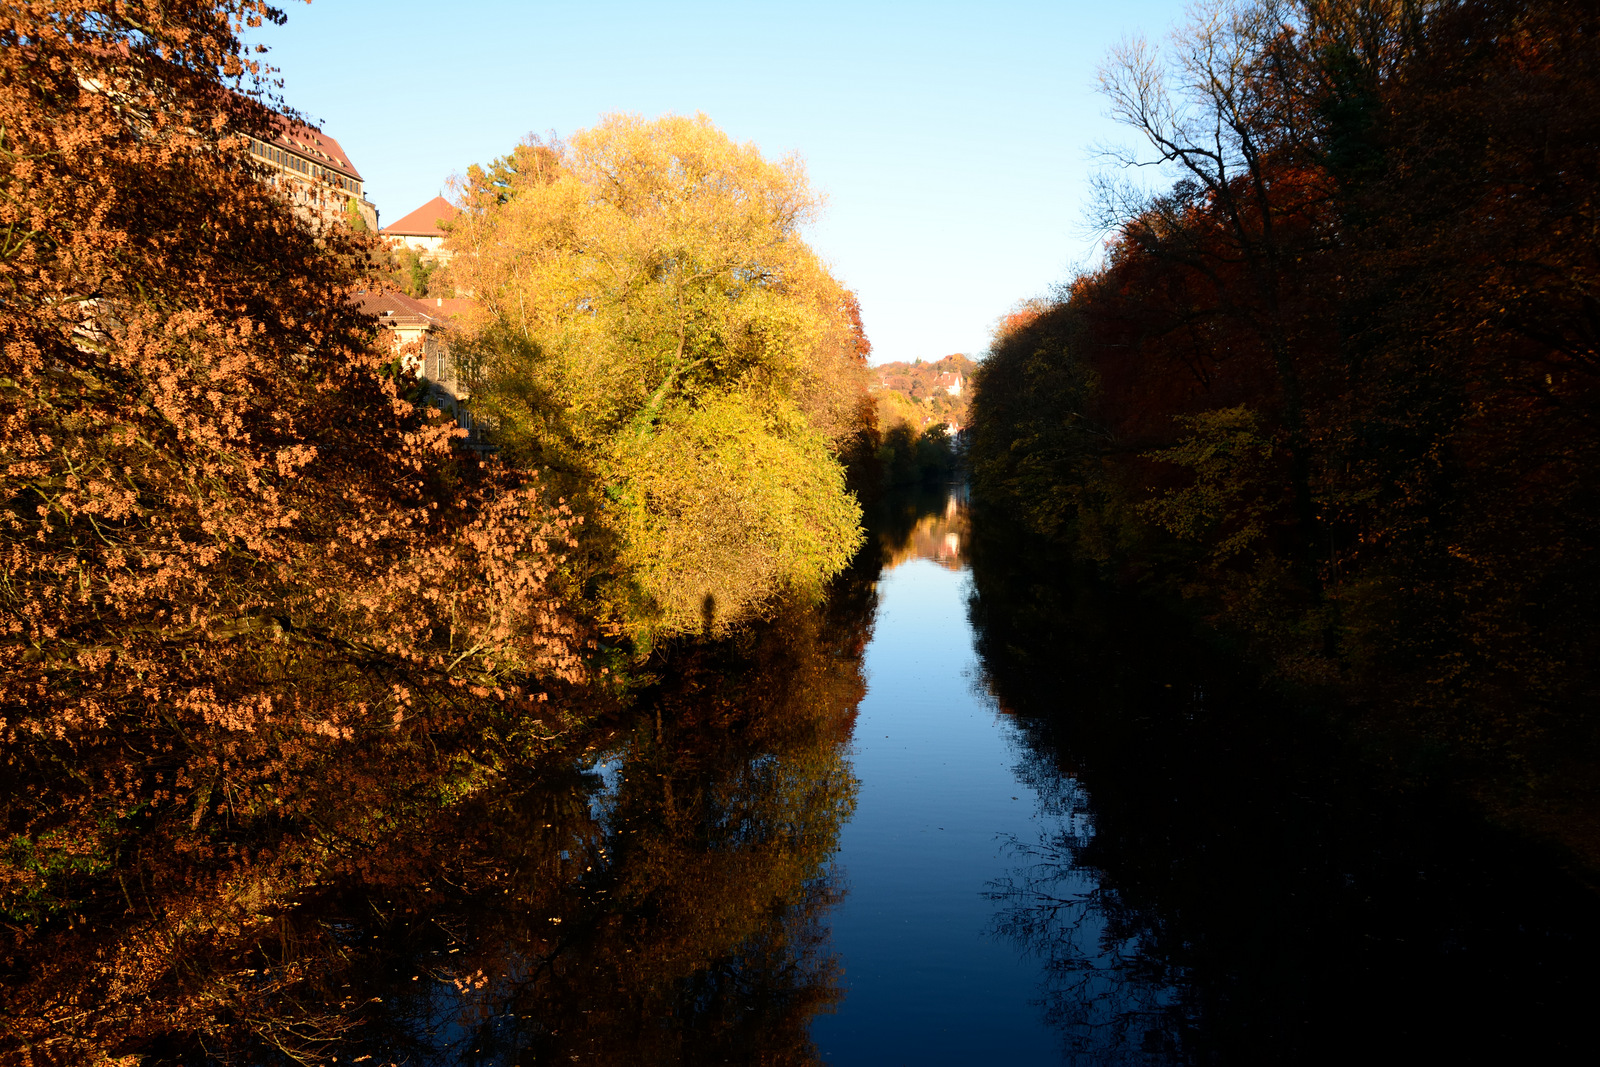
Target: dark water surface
[[973, 809]]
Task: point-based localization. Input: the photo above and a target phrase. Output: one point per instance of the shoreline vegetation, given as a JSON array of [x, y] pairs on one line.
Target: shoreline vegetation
[[1333, 389], [267, 625], [920, 409]]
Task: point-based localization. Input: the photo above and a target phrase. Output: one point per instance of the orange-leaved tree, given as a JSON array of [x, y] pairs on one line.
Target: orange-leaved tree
[[230, 549]]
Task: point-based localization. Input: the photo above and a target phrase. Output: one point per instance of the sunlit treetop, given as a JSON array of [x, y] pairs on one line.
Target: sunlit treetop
[[651, 324]]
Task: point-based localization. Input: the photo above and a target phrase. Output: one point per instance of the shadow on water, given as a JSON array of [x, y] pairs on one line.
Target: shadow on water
[[1223, 883]]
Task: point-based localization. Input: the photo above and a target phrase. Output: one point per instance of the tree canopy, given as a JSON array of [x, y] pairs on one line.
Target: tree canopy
[[233, 554], [1336, 384], [655, 332]]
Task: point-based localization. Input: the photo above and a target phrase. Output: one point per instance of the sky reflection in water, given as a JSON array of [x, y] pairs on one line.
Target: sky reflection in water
[[926, 978]]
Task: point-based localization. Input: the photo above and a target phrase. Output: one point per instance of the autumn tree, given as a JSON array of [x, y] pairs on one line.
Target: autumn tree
[[655, 332], [1336, 383], [231, 552], [1245, 218]]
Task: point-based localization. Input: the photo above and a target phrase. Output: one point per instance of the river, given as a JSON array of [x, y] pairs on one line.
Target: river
[[973, 808], [940, 797]]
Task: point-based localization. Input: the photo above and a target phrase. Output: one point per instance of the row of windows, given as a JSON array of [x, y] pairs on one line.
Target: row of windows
[[273, 154]]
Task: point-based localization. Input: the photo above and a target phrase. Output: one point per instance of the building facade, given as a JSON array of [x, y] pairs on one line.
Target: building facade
[[310, 169]]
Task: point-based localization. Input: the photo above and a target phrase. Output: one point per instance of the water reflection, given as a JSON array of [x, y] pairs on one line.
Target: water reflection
[[659, 895], [922, 523], [1217, 881], [665, 904], [926, 984]]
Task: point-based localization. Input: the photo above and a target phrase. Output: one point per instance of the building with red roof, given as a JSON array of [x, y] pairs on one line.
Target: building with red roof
[[423, 229], [307, 166], [310, 168], [419, 333]]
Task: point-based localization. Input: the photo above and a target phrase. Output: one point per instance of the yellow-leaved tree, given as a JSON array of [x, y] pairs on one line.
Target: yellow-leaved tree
[[654, 334]]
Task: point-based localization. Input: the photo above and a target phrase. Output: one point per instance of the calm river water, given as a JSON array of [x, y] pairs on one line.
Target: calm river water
[[972, 809], [942, 795]]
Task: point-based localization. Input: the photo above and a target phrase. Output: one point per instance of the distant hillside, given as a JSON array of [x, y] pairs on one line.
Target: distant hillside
[[922, 393]]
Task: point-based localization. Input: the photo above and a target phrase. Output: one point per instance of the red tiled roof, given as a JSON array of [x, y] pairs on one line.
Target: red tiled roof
[[396, 307], [423, 222], [315, 146]]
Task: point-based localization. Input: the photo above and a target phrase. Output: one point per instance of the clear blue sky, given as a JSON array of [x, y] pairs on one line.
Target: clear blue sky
[[953, 140]]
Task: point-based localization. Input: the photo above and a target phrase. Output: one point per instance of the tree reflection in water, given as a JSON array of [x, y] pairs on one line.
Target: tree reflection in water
[[1223, 883], [658, 895], [921, 522], [665, 906], [1102, 989]]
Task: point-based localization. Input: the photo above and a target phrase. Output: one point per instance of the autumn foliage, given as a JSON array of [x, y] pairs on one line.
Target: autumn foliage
[[1337, 384], [655, 333], [233, 556]]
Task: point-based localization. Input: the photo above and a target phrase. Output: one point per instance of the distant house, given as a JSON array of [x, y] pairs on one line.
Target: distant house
[[420, 334], [421, 230], [419, 331], [950, 382], [312, 171]]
